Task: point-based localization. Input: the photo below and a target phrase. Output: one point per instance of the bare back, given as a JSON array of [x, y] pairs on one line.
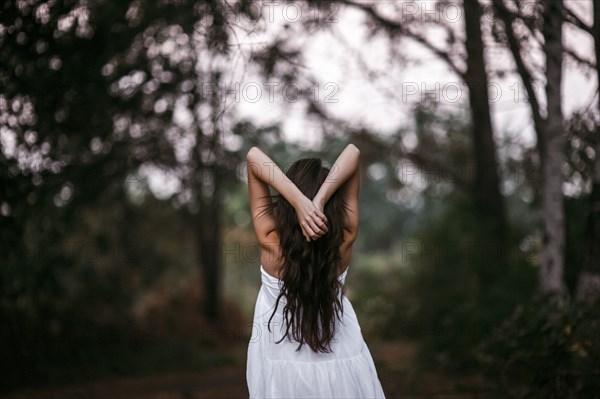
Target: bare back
[[271, 255], [272, 258]]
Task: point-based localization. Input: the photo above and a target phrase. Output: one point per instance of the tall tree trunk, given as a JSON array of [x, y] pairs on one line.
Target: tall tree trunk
[[588, 286], [487, 182], [208, 225], [208, 157], [553, 252]]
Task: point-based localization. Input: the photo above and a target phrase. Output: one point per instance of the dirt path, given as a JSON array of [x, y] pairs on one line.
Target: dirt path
[[394, 362], [223, 382]]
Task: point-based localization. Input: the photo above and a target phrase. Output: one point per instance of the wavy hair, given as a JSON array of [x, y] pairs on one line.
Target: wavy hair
[[311, 286]]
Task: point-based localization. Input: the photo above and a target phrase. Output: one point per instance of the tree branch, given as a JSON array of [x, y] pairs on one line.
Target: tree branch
[[506, 16], [398, 153], [397, 28], [577, 58], [573, 19]]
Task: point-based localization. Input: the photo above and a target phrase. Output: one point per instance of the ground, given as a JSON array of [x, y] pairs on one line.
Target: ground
[[394, 361]]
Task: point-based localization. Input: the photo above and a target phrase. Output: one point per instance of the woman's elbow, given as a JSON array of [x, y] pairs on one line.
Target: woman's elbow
[[251, 153], [354, 148]]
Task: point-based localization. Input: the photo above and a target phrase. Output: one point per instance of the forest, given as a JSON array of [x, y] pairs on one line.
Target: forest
[[128, 263]]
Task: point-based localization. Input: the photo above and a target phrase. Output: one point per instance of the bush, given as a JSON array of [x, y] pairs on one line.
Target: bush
[[462, 285], [545, 351]]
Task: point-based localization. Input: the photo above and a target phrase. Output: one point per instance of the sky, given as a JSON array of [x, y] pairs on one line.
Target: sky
[[384, 103], [358, 79]]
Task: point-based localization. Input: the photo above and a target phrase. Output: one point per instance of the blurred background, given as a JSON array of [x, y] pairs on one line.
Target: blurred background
[[129, 267]]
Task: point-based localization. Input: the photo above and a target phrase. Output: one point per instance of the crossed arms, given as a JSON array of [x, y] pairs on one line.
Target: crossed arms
[[263, 172]]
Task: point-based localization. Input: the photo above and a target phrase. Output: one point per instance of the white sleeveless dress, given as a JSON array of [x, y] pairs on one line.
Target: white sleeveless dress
[[279, 371]]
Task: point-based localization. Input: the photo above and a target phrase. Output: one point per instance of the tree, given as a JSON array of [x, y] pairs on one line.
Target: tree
[[470, 52], [553, 158], [88, 95], [549, 127], [487, 180]]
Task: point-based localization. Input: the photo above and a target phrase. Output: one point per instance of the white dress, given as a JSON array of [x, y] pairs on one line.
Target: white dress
[[279, 371]]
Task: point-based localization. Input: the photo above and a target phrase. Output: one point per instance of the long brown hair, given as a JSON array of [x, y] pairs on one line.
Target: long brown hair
[[311, 287]]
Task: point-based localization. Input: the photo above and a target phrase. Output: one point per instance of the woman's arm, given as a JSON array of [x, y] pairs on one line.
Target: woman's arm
[[345, 168], [263, 171]]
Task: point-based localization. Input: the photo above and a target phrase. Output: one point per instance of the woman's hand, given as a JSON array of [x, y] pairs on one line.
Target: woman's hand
[[312, 219]]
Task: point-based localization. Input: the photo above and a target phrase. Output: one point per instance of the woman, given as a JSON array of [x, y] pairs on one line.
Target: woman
[[306, 340]]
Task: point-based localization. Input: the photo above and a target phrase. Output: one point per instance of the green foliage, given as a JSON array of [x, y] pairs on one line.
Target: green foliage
[[75, 255], [545, 351], [445, 286], [76, 348], [463, 285], [576, 212], [67, 306]]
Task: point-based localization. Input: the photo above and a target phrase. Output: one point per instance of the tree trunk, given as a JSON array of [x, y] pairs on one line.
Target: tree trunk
[[207, 159], [588, 286], [208, 233], [489, 199], [553, 251]]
